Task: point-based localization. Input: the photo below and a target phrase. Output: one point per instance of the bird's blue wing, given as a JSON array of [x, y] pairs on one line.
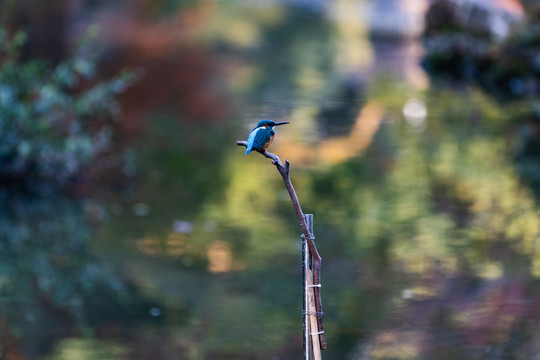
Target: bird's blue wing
[[258, 138], [251, 139], [261, 138]]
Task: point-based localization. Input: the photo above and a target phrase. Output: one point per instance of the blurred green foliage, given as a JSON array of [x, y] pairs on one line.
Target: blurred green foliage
[[54, 120], [46, 265]]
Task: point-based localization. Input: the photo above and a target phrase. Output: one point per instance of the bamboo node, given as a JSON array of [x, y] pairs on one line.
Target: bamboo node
[[316, 313]]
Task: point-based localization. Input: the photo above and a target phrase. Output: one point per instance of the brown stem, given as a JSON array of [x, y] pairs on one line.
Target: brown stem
[[316, 258]]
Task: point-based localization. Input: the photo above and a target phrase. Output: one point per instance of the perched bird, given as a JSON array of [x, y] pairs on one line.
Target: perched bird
[[262, 136]]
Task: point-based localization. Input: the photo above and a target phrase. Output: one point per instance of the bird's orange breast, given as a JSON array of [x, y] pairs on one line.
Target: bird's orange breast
[[265, 146]]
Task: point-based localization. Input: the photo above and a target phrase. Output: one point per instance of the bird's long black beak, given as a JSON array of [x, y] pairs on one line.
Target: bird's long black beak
[[281, 123]]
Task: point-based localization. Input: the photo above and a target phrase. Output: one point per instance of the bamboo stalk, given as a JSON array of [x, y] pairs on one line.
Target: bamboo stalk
[[313, 323], [305, 313]]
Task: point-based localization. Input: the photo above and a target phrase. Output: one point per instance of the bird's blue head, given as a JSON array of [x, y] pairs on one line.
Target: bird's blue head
[[269, 123]]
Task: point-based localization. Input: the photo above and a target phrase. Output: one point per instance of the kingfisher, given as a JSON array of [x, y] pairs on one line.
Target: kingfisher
[[262, 136]]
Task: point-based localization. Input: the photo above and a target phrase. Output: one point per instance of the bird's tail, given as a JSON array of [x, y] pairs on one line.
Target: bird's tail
[[249, 148]]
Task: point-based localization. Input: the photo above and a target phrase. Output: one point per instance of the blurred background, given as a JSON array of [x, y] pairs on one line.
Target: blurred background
[[133, 227]]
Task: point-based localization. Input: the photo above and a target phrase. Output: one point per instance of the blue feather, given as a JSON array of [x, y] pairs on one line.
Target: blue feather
[[251, 139], [258, 138]]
